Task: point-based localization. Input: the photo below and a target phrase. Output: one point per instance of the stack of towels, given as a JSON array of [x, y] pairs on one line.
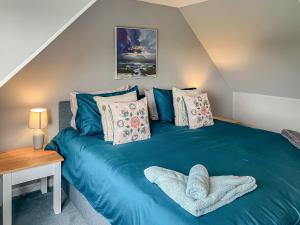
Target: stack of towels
[[199, 193]]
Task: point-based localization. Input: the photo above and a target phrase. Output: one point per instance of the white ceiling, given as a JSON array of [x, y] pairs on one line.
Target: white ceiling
[[28, 27], [174, 3]]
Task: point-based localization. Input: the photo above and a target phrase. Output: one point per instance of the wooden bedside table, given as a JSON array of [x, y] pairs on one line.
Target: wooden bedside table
[[226, 120], [26, 164]]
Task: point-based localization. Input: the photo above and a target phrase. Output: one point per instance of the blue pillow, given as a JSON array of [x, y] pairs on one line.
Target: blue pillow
[[88, 117], [164, 104], [51, 146]]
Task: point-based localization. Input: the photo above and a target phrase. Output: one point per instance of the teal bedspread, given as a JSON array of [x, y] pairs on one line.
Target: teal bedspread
[[112, 179]]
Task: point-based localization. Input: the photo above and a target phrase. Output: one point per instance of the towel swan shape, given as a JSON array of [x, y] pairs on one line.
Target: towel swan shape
[[200, 195]]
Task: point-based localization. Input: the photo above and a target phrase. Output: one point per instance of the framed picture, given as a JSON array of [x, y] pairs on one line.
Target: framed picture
[[136, 52]]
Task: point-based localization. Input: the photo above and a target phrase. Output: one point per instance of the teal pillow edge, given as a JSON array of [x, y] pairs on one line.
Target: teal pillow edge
[[164, 103]]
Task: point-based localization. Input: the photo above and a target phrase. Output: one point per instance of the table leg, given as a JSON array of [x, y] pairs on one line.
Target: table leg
[[57, 188], [44, 185], [7, 199], [1, 191]]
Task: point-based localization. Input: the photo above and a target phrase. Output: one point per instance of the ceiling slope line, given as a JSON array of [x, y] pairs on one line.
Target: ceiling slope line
[[48, 42]]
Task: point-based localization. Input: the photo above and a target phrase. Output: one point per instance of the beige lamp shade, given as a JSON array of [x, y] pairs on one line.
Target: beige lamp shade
[[38, 119]]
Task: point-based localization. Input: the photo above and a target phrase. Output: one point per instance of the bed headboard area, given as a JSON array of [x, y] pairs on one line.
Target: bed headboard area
[[64, 114]]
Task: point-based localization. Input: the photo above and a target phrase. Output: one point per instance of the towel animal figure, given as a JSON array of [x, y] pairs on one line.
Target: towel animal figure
[[198, 182], [221, 190]]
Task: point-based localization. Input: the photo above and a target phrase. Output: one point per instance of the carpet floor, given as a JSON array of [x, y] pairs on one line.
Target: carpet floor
[[36, 209]]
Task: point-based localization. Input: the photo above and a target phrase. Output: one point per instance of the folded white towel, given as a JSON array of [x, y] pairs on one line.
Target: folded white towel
[[198, 182], [223, 189]]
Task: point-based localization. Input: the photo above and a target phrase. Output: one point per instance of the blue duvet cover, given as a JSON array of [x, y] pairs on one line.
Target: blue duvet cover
[[112, 179]]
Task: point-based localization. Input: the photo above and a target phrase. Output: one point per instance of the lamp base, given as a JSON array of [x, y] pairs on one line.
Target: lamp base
[[38, 139]]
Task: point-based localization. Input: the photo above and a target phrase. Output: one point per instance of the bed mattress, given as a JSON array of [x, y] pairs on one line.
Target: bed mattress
[[111, 177]]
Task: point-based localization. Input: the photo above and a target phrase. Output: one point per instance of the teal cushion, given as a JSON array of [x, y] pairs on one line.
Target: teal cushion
[[88, 118], [51, 146], [164, 104]]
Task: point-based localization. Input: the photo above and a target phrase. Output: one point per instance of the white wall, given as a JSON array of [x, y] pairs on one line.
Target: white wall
[[255, 44], [267, 112], [82, 58], [27, 27]]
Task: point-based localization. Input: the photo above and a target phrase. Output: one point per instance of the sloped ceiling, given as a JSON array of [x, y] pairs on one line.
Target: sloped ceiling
[[255, 44], [27, 27]]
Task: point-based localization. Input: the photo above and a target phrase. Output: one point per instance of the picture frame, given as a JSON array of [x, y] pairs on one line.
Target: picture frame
[[135, 52]]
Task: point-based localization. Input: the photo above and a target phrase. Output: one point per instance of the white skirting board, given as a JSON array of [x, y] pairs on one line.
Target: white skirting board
[[266, 112]]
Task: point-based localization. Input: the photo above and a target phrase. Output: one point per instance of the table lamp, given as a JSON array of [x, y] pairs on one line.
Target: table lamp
[[38, 120]]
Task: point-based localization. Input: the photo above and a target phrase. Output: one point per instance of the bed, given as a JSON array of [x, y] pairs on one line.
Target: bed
[[108, 186]]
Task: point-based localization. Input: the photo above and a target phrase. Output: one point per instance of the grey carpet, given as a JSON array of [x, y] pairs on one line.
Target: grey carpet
[[36, 209]]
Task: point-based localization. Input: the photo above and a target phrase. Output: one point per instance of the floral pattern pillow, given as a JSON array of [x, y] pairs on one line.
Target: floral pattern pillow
[[199, 112], [130, 121], [106, 118], [181, 117]]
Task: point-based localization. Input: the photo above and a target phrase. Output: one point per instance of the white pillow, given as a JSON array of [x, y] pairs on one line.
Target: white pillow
[[199, 112], [73, 100], [131, 121], [151, 104], [106, 117], [181, 117]]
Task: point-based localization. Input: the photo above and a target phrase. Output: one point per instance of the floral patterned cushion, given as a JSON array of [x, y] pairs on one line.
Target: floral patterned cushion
[[181, 117], [130, 121], [106, 118], [199, 112]]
